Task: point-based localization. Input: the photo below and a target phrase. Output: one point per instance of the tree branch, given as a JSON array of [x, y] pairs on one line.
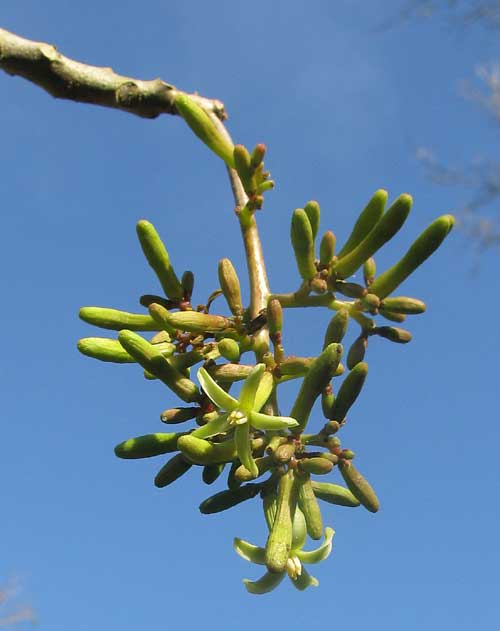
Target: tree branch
[[65, 78]]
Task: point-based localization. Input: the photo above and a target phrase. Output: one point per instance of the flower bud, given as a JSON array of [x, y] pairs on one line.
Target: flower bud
[[158, 259], [204, 127], [230, 286]]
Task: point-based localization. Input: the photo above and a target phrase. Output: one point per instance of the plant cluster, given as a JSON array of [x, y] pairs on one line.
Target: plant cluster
[[266, 455]]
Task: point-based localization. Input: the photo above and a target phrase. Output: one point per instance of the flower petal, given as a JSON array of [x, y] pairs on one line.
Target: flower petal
[[304, 581], [319, 554], [242, 442], [265, 584], [249, 388], [248, 551], [216, 394], [266, 421], [299, 530], [217, 426], [264, 390]]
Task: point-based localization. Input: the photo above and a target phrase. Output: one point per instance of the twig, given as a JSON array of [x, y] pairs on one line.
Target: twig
[[65, 78]]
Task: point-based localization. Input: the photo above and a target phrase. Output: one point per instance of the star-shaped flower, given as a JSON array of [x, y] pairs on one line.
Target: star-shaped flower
[[242, 413], [300, 577]]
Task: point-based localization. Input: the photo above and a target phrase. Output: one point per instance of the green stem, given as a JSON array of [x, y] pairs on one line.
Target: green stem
[[259, 285]]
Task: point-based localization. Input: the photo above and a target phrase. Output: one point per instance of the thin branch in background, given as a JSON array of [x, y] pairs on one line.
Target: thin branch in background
[[484, 177], [12, 613], [461, 12], [489, 98]]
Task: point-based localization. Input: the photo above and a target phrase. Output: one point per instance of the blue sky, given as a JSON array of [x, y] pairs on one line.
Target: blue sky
[[342, 106]]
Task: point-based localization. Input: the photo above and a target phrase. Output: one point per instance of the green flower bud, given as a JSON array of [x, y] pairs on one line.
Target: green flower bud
[[274, 318], [172, 471], [178, 415], [242, 165], [349, 391], [200, 451], [230, 286], [268, 185], [351, 290], [229, 349], [229, 373], [317, 378], [369, 271], [104, 349], [317, 465], [158, 259], [327, 399], [303, 244], [391, 315], [359, 487], [187, 282], [425, 245], [402, 304], [357, 351], [327, 249], [393, 333], [147, 446], [371, 302], [295, 366], [197, 322], [227, 499], [152, 360], [383, 231], [309, 506], [312, 210], [366, 221], [242, 474], [116, 320], [203, 126], [284, 453], [211, 472], [334, 494], [257, 156], [337, 328], [279, 542]]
